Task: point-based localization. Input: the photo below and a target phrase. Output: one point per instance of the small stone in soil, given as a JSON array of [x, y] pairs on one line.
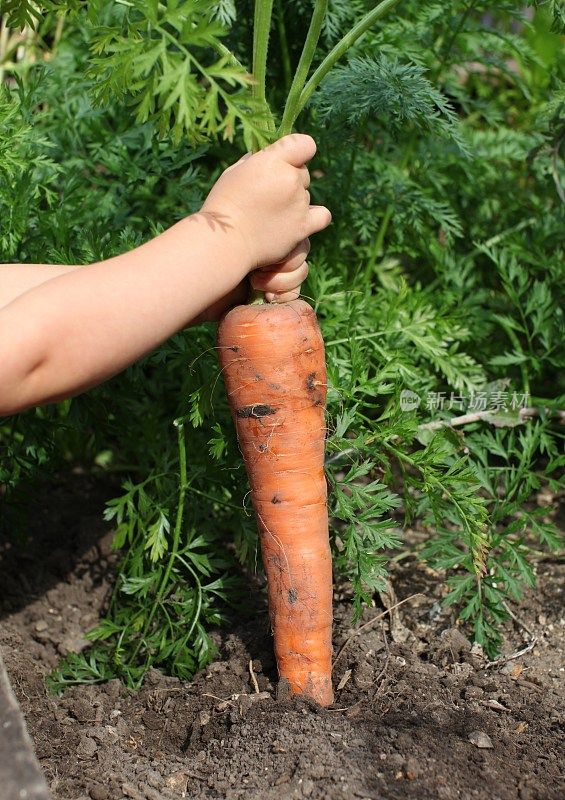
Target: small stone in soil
[[412, 769], [177, 781], [204, 718], [481, 739], [72, 644]]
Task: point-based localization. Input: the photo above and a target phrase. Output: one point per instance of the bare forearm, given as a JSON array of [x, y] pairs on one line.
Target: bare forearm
[[80, 328], [69, 332], [15, 279]]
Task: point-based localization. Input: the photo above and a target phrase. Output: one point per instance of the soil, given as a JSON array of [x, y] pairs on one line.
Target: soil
[[420, 712]]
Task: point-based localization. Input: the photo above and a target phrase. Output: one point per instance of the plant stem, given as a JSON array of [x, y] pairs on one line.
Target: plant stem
[[176, 537], [377, 248], [225, 51], [301, 74], [200, 67], [197, 610], [4, 40], [341, 48], [375, 335], [180, 507], [261, 30], [524, 413], [58, 33], [458, 28], [525, 223], [256, 297], [212, 499], [283, 42], [517, 344]]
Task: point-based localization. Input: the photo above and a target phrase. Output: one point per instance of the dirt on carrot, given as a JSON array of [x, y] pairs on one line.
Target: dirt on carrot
[[402, 727], [273, 363]]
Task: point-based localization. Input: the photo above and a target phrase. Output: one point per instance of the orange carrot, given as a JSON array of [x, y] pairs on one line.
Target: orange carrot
[[272, 358]]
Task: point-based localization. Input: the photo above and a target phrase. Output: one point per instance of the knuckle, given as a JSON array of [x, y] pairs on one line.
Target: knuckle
[[301, 274], [287, 179]]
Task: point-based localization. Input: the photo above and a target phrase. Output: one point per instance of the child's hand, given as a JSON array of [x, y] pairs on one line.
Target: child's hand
[[264, 199], [280, 282]]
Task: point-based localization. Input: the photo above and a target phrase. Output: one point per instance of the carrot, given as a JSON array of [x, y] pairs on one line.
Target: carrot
[[273, 362]]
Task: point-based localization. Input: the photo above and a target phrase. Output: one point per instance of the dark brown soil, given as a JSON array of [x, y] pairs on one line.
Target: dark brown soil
[[419, 712]]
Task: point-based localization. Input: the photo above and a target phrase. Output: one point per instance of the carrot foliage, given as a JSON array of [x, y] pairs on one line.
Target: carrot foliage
[[439, 289]]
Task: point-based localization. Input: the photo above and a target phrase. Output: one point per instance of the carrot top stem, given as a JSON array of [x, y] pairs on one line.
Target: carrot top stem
[[261, 31], [303, 68], [256, 298], [347, 41]]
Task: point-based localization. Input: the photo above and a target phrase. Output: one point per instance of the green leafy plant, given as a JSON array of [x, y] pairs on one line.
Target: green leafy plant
[[440, 281]]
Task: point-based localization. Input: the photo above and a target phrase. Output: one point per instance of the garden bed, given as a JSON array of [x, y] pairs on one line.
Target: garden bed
[[419, 713]]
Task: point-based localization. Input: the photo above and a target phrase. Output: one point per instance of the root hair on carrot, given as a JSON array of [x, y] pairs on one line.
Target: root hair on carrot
[[278, 543]]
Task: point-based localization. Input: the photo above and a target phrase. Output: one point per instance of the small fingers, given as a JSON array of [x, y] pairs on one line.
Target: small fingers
[[319, 217], [279, 282], [282, 297], [305, 175], [295, 149], [293, 260]]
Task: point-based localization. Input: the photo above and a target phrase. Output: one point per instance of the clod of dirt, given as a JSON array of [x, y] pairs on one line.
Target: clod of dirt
[[282, 691], [451, 647], [99, 792]]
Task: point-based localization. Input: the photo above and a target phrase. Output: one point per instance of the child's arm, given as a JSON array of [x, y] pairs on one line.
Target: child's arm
[[77, 329], [15, 279]]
